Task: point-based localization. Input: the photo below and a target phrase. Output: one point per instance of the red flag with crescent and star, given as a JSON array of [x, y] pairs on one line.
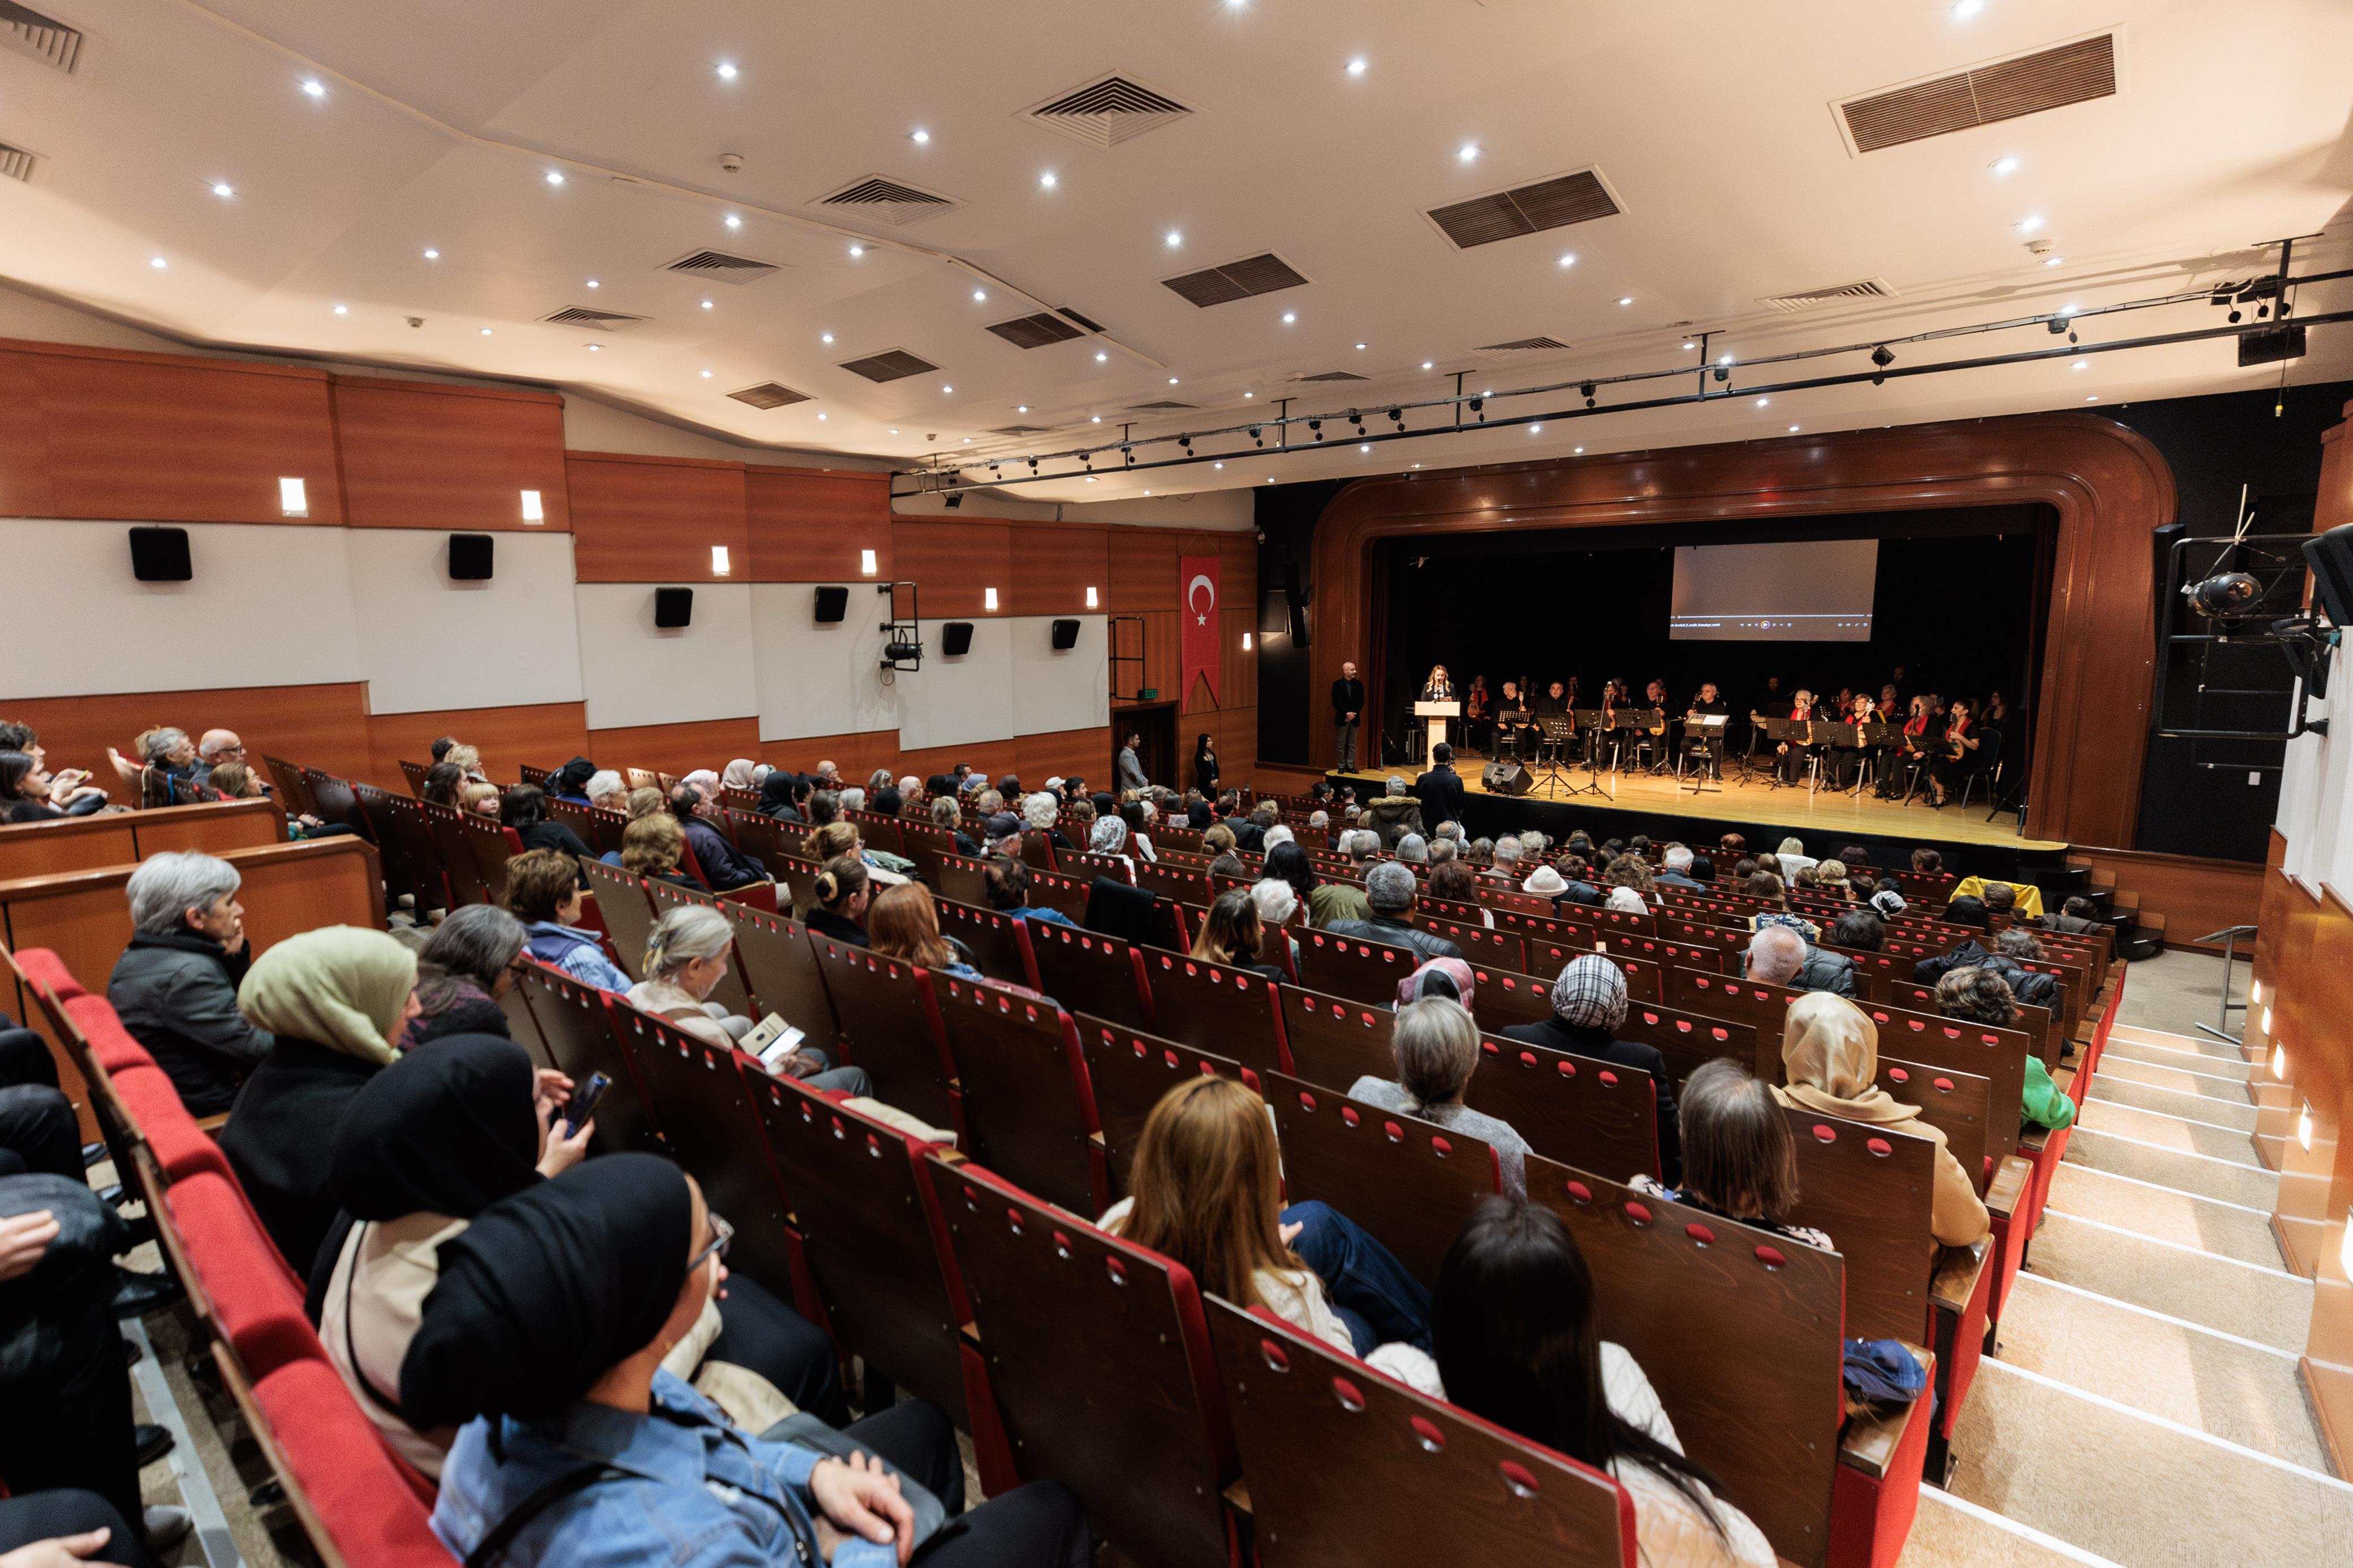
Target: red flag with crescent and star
[[1196, 578]]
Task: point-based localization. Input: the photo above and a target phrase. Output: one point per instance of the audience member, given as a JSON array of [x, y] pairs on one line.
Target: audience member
[[1233, 934], [570, 781], [1589, 1003], [1412, 850], [1040, 812], [783, 796], [1333, 901], [1390, 894], [1983, 997], [1767, 886], [687, 955], [651, 847], [1860, 929], [743, 773], [32, 796], [1435, 1044], [1007, 881], [842, 892], [1503, 860], [1109, 837], [1395, 814], [464, 967], [1739, 1159], [1678, 873], [2036, 990], [2079, 916], [902, 924], [726, 866], [176, 985], [479, 799], [525, 811], [544, 892], [948, 817], [1779, 956]]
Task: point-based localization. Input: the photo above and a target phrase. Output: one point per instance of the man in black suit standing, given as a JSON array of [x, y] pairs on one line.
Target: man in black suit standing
[[1347, 713], [1441, 789]]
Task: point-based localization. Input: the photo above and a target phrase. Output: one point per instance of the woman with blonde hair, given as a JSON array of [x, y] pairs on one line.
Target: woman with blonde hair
[[1206, 1190], [467, 760], [651, 847]]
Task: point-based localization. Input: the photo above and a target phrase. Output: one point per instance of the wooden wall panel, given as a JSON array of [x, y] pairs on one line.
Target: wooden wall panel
[[1088, 754], [1143, 563], [677, 749], [856, 755], [25, 490], [543, 734], [995, 758], [173, 439], [2110, 488], [419, 453], [654, 519], [2195, 895], [807, 526], [952, 563], [322, 726], [1054, 567], [1159, 636]]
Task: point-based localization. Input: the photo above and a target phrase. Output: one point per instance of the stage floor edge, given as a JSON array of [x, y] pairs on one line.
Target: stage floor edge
[[1664, 808]]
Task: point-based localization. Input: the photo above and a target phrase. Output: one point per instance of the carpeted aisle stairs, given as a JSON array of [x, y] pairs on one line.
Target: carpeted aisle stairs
[[2144, 1407]]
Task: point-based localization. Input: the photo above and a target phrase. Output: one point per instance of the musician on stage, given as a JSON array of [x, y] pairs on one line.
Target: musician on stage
[[1846, 762], [1477, 709], [1912, 751], [1555, 700], [1511, 717], [1793, 754], [1890, 705], [1949, 767], [1710, 701]]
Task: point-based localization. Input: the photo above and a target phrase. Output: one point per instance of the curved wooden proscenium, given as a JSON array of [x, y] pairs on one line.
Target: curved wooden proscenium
[[2110, 488]]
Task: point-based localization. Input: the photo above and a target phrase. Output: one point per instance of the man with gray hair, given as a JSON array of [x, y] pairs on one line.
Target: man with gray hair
[[1389, 891], [605, 789], [1777, 955], [1441, 850], [1678, 871], [1413, 850], [175, 987], [1505, 867]]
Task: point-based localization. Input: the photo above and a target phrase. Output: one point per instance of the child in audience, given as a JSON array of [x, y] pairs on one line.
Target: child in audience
[[1436, 1045], [1206, 1190], [1737, 1157]]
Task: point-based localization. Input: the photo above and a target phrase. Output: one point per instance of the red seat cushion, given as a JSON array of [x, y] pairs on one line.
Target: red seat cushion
[[46, 968], [256, 1302], [114, 1046], [337, 1461]]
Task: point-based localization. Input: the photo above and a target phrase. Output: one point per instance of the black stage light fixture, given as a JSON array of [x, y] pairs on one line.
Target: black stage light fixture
[[2226, 595], [1397, 418], [1256, 436], [1585, 390], [1881, 357], [1477, 404], [1724, 373], [901, 653], [1316, 427], [1185, 442], [1033, 465], [953, 501]]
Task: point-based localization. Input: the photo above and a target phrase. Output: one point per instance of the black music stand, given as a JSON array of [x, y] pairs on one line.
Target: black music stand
[[1646, 726], [1703, 735], [1560, 735], [1795, 732], [1874, 740]]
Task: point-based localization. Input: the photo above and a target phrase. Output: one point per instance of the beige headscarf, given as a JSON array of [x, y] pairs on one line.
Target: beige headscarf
[[1830, 1049], [740, 775], [344, 987]]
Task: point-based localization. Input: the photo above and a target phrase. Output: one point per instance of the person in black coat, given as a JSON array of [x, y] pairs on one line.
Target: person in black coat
[[1205, 765], [525, 809], [726, 865], [1441, 789], [1347, 714], [1589, 1003]]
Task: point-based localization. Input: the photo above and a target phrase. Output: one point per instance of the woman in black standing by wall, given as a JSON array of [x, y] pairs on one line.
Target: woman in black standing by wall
[[1204, 766]]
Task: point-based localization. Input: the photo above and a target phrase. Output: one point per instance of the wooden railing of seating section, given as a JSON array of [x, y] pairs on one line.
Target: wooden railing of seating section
[[124, 838]]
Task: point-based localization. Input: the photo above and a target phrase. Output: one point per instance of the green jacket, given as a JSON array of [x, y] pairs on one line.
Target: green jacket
[[2043, 1104]]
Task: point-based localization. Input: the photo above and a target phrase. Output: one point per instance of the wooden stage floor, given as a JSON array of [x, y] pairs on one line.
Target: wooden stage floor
[[1824, 814]]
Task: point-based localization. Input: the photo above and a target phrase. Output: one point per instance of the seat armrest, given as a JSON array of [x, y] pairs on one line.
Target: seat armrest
[[1872, 1437], [2008, 1189], [1956, 1279]]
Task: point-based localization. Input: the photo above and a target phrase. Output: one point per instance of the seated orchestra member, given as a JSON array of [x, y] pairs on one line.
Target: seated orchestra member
[[1792, 753], [1847, 762], [1959, 757], [1709, 703], [1435, 1042], [1738, 1159], [1478, 709], [1511, 717], [1557, 699], [1914, 750]]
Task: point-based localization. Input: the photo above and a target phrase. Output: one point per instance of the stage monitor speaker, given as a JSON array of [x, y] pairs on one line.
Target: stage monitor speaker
[[1506, 778], [673, 607], [160, 556], [832, 604], [469, 557], [1066, 635], [2330, 556], [1295, 600], [956, 639]]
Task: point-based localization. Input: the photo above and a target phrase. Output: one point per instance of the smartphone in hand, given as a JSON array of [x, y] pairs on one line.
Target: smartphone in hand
[[582, 1103]]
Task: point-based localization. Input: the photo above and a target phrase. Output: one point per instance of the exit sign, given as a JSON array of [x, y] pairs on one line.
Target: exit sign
[[1148, 694]]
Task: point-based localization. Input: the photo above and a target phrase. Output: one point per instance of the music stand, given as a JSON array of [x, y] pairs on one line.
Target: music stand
[[1791, 732], [1706, 731], [1875, 739], [1650, 723]]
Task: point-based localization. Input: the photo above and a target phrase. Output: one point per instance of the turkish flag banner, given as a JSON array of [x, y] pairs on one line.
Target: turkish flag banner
[[1197, 580]]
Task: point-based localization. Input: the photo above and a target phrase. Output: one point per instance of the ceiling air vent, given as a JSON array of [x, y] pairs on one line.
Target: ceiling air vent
[[887, 201], [596, 320], [2049, 79], [1864, 289], [768, 395], [1108, 110], [1163, 407], [45, 38], [1526, 209], [16, 162], [718, 267], [1073, 315], [1332, 376], [1036, 331], [1020, 430], [1251, 276], [889, 366], [1521, 346]]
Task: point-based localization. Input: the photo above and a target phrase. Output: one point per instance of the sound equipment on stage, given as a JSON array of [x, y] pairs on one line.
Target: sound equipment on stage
[[673, 607], [2330, 556], [160, 556], [1506, 778], [469, 557], [832, 605], [956, 639], [1065, 634]]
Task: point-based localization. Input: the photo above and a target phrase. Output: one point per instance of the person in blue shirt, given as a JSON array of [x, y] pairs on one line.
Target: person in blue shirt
[[544, 892], [542, 1342], [1008, 892]]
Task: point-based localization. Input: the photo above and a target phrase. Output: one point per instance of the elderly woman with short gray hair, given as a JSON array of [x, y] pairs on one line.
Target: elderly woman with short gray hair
[[175, 986], [1435, 1043]]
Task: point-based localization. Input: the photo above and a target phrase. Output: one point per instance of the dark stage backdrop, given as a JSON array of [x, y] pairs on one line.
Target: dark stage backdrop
[[1955, 607]]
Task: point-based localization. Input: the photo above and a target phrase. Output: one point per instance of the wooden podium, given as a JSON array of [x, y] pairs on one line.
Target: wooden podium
[[1434, 716]]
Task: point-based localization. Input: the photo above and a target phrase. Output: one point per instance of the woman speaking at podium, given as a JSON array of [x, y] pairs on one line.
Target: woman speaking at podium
[[1436, 689]]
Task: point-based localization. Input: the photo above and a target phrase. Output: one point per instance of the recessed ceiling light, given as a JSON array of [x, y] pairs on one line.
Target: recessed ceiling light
[[857, 250], [2004, 165], [967, 440], [431, 254], [1689, 344], [1365, 448], [1172, 380], [1217, 465], [1176, 237], [1249, 395], [1793, 429], [157, 261], [1569, 259], [2094, 398], [1724, 359], [1289, 317], [486, 332], [1270, 478], [1417, 465], [1425, 364], [919, 137], [593, 284], [2055, 261], [343, 310], [1965, 9], [2069, 309], [593, 348], [1022, 408], [894, 432], [979, 294], [314, 90], [1625, 298], [1469, 151], [555, 176], [1097, 420], [706, 304], [1764, 402], [1535, 429], [726, 70], [1092, 480], [706, 375], [947, 389], [1046, 180], [826, 338], [1099, 357], [1147, 493], [224, 189], [2030, 223], [1581, 452], [1357, 67], [2081, 365], [733, 221]]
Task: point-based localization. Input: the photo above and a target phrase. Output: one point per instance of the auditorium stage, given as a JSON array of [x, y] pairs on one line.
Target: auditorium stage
[[1661, 808]]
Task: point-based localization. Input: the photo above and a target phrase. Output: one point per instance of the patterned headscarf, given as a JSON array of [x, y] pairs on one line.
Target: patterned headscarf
[[1590, 993]]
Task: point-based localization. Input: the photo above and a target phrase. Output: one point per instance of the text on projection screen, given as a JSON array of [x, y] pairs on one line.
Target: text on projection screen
[[1811, 591]]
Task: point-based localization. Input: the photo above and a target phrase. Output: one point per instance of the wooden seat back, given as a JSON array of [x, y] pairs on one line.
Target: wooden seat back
[[1053, 890], [780, 966], [1688, 1041], [1353, 967], [293, 789], [1494, 948], [414, 773], [1999, 1055], [448, 825], [124, 838], [1184, 884], [1732, 997], [889, 1024], [998, 943], [731, 992], [700, 1090], [1870, 1190], [627, 910], [412, 860], [1410, 1183], [1086, 864], [1739, 1331], [1331, 1448], [756, 836], [877, 831], [1217, 1007], [1333, 1040], [796, 875], [337, 801], [1029, 1111], [600, 829], [1595, 1115], [493, 844], [1951, 1101], [1092, 973], [965, 879], [924, 845], [1100, 1362], [1129, 1072], [1665, 954], [1504, 1001], [580, 1041], [1036, 850], [878, 1272]]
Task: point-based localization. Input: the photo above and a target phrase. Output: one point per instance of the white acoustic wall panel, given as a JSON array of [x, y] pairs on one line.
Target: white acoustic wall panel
[[960, 701], [633, 673], [813, 680], [428, 643], [1055, 690], [270, 604]]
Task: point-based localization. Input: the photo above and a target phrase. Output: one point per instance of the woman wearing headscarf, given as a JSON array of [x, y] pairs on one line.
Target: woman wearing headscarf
[[1830, 1051], [778, 793], [544, 1340], [1447, 977], [334, 999], [430, 1142], [1109, 837], [1589, 1003], [740, 773]]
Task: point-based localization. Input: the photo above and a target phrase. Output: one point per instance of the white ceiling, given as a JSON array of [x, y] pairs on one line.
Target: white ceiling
[[1712, 121]]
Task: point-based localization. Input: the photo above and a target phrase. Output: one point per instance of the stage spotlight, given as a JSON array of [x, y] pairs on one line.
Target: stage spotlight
[[1033, 465], [1315, 427], [1878, 381], [1256, 436], [953, 501], [2234, 318], [1723, 373], [1477, 404], [1185, 442], [2225, 596], [2057, 325], [1881, 357], [1585, 390]]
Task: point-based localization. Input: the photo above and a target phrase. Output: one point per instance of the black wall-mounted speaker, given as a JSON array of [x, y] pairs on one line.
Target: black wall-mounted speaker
[[1065, 634], [956, 639], [2330, 556], [469, 557], [160, 556], [832, 604], [673, 607]]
